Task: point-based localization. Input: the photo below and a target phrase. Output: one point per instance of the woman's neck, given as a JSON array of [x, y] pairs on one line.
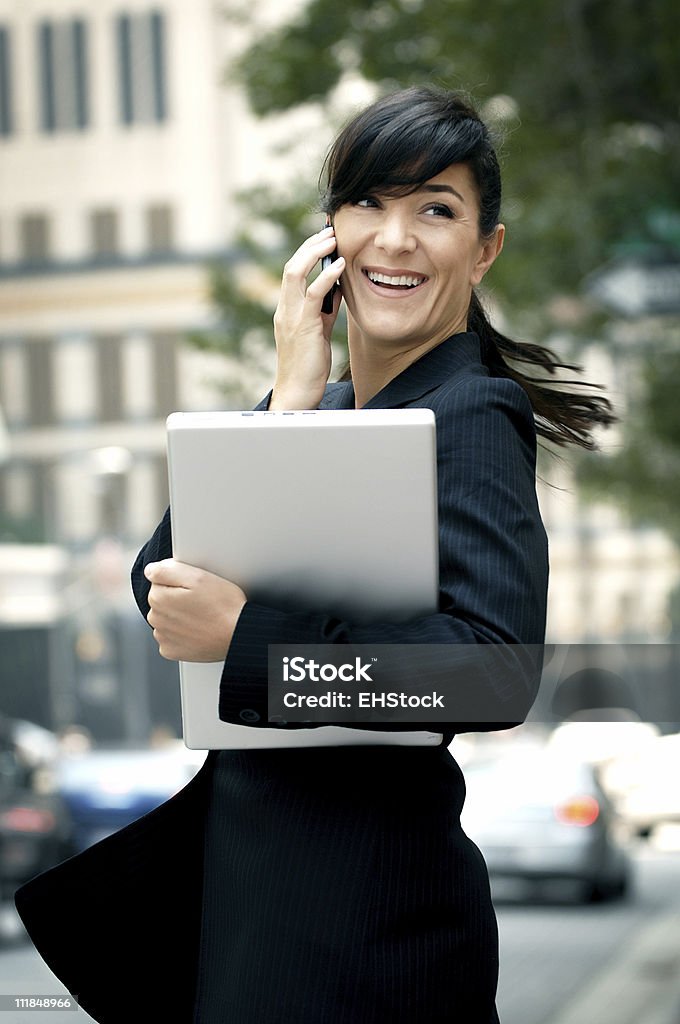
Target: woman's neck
[[373, 365]]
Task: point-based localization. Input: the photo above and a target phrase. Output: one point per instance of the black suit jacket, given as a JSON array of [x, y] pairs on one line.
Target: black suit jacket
[[96, 918]]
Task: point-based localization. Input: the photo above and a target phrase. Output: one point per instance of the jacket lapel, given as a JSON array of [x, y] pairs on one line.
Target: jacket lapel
[[338, 396], [427, 373]]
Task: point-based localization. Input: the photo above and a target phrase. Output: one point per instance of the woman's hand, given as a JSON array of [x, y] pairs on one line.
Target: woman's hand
[[301, 330], [193, 612]]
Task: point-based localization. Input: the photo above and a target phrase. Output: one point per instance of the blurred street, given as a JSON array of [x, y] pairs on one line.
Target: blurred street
[[557, 958], [551, 955]]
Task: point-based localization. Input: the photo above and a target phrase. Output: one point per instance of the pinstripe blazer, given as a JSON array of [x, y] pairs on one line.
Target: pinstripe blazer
[[95, 918], [492, 545]]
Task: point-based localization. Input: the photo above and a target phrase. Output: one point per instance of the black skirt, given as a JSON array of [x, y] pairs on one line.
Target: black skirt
[[340, 888]]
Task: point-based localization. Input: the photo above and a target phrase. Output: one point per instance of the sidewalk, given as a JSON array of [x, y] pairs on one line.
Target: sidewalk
[[641, 986]]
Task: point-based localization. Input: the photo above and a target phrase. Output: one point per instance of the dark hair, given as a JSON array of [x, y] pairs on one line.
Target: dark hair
[[403, 140]]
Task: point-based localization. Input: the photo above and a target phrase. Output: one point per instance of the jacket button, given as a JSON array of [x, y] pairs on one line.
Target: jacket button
[[248, 715]]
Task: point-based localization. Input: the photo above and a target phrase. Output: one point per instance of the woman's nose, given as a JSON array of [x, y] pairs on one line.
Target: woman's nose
[[395, 233]]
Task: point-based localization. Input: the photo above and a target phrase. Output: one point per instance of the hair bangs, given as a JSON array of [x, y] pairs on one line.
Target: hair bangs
[[398, 155]]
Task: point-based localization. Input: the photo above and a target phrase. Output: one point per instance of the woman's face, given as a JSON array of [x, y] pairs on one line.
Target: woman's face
[[412, 261]]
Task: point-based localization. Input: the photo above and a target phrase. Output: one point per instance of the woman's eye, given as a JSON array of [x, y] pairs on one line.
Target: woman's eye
[[366, 201], [439, 210]]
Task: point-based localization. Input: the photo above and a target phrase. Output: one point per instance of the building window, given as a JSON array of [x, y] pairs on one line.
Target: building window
[[6, 125], [40, 382], [104, 233], [159, 229], [43, 503], [141, 46], [162, 486], [112, 504], [13, 383], [62, 48], [165, 373], [34, 231], [110, 372]]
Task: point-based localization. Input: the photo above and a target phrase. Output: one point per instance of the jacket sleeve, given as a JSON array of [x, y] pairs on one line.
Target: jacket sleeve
[[159, 546], [493, 575]]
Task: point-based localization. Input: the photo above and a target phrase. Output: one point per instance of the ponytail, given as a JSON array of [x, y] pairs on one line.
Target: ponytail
[[561, 416]]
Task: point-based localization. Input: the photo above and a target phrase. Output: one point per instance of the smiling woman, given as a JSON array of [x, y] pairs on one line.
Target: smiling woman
[[336, 884]]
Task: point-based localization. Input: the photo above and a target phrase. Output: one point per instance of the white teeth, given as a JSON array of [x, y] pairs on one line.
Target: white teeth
[[404, 280]]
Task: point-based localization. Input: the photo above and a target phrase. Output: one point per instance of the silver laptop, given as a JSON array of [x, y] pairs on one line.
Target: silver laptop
[[330, 511]]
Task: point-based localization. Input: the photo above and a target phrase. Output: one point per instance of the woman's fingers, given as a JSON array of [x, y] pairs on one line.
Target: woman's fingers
[[304, 260], [193, 613], [313, 248], [325, 281], [300, 301], [295, 286], [301, 330]]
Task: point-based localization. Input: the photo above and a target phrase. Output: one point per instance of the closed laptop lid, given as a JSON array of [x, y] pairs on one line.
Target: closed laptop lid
[[330, 511]]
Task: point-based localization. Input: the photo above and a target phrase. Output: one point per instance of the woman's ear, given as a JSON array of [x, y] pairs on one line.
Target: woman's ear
[[491, 248]]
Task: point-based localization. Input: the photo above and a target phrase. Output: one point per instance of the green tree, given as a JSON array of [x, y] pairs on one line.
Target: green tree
[[588, 94]]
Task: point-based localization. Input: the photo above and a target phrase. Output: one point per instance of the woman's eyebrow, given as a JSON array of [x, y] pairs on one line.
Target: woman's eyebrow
[[429, 187]]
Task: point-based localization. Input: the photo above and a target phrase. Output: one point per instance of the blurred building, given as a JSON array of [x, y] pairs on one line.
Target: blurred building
[[610, 582], [121, 150], [120, 153]]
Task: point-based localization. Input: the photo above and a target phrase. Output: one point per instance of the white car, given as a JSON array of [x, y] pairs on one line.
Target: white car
[[652, 794]]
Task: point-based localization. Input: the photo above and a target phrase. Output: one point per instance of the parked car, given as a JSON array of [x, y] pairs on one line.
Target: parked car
[[35, 828], [105, 790], [539, 817], [652, 795], [603, 743]]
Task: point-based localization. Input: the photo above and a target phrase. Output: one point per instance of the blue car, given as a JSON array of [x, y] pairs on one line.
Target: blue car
[[105, 790]]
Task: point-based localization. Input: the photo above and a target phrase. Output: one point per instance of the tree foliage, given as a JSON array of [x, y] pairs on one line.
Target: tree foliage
[[591, 106]]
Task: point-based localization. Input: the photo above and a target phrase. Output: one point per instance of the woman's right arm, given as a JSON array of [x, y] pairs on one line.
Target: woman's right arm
[[301, 330]]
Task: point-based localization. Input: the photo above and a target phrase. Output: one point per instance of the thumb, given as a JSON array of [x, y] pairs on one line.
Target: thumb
[[167, 573]]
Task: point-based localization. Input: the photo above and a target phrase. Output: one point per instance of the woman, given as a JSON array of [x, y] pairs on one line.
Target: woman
[[336, 884]]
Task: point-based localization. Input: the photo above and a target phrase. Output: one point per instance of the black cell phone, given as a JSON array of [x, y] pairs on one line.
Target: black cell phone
[[327, 304]]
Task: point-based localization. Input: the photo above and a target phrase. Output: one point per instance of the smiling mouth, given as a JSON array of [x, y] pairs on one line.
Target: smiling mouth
[[397, 282]]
